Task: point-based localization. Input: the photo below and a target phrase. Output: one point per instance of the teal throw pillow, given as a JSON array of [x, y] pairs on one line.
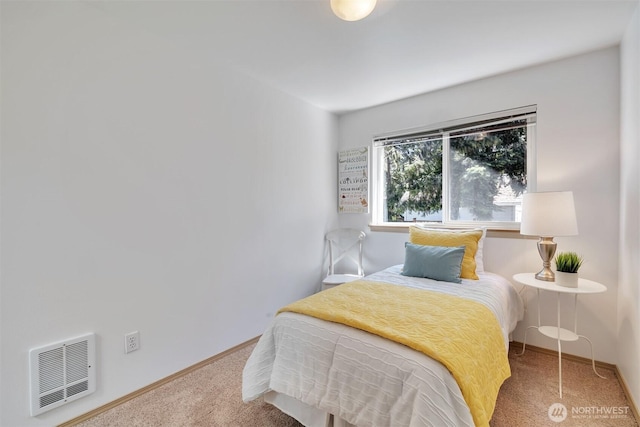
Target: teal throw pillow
[[433, 262]]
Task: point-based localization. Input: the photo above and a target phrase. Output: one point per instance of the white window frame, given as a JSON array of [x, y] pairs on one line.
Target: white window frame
[[378, 189]]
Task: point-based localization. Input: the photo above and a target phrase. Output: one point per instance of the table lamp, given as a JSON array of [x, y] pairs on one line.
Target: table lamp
[[548, 215]]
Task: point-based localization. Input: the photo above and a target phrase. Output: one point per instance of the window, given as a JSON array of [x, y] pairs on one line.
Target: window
[[469, 171]]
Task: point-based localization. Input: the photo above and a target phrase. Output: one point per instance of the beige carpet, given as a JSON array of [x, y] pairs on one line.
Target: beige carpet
[[211, 396], [525, 398]]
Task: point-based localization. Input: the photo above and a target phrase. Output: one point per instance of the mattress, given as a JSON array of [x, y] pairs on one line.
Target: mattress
[[325, 373]]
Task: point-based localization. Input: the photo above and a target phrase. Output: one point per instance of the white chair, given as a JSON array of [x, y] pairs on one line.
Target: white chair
[[344, 243]]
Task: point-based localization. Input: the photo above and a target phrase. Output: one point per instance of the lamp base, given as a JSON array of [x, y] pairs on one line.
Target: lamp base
[[546, 249], [546, 274]]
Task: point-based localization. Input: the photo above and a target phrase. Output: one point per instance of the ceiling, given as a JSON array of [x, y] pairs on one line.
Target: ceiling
[[404, 48]]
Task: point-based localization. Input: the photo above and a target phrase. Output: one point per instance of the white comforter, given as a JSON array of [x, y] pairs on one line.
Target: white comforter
[[361, 378]]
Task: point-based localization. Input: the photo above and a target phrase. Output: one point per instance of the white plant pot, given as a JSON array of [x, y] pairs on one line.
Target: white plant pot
[[568, 280]]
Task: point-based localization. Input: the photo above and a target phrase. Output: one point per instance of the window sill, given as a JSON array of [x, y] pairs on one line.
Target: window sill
[[403, 227]]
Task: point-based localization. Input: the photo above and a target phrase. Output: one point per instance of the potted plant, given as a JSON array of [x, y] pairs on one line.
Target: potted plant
[[567, 266]]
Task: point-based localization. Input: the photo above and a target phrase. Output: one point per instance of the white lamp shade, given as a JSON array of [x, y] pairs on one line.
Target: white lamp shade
[[548, 214], [352, 10]]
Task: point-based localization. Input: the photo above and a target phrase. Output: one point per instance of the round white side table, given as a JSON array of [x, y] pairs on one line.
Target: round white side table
[[556, 332]]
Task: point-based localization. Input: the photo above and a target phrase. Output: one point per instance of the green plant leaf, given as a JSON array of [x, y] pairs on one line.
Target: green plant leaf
[[568, 262]]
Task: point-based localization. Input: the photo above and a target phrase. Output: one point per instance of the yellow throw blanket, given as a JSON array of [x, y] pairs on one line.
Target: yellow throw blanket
[[461, 334]]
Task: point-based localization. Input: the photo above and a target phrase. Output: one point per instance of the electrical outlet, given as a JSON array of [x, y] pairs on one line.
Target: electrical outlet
[[131, 342]]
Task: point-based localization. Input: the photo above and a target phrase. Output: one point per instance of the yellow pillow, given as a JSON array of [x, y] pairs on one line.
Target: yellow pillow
[[468, 239]]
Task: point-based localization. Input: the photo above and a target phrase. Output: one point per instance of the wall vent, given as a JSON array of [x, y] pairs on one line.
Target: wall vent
[[62, 372]]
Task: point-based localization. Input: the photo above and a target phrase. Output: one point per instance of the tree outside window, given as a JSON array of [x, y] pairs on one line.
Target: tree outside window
[[471, 173]]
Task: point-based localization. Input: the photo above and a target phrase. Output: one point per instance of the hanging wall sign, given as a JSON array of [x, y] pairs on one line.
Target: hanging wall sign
[[353, 180]]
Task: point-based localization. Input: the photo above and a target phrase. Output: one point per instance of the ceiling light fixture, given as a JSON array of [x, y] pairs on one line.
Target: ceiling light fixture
[[352, 10]]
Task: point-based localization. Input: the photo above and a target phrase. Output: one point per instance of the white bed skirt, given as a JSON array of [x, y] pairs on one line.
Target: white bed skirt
[[308, 415]]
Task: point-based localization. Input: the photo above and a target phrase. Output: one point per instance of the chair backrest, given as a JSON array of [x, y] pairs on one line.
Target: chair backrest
[[345, 243]]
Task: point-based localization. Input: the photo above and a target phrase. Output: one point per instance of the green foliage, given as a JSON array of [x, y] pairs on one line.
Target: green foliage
[[414, 178], [568, 262], [480, 165]]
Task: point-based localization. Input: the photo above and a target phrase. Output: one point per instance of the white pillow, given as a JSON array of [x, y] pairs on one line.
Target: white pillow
[[479, 261]]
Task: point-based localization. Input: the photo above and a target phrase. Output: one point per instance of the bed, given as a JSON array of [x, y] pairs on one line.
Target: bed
[[326, 371]]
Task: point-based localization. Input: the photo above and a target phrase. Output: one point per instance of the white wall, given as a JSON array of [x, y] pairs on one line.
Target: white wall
[[577, 149], [629, 287], [143, 189]]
